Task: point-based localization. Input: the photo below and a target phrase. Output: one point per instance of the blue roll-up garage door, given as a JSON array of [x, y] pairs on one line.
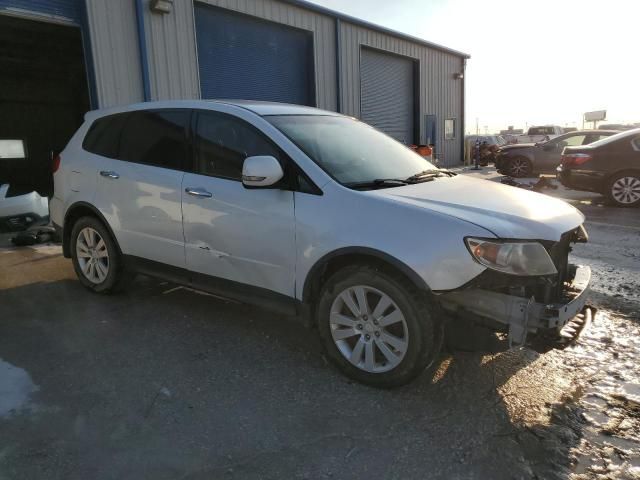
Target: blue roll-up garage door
[[66, 9], [244, 57], [387, 93]]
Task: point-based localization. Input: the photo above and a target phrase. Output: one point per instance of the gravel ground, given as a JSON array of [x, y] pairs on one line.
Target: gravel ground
[[161, 382]]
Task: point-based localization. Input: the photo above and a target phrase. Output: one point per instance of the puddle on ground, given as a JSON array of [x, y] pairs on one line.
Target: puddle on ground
[[16, 388]]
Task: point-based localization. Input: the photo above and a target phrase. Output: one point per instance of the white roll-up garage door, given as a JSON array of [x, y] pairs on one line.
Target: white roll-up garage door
[[387, 93]]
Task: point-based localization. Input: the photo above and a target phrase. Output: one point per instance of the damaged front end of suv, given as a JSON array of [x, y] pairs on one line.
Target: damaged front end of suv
[[528, 291]]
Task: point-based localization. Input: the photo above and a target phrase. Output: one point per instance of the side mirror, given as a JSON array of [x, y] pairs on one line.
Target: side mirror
[[261, 171]]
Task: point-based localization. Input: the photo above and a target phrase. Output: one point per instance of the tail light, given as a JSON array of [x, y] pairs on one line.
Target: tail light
[[573, 159], [55, 164]]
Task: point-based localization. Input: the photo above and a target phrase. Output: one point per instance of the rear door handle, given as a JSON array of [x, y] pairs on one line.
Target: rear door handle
[[198, 192], [109, 174]]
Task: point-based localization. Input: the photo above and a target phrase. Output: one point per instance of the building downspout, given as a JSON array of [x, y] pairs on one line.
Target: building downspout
[[142, 45], [464, 95], [87, 50], [338, 67]]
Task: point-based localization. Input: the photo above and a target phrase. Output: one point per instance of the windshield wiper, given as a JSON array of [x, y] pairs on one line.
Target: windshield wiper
[[378, 183], [423, 176]]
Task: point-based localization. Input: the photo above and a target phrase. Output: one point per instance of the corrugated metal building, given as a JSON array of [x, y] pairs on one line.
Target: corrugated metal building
[[282, 50]]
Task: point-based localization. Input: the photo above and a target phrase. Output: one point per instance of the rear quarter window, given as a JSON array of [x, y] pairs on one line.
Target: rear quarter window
[[103, 137]]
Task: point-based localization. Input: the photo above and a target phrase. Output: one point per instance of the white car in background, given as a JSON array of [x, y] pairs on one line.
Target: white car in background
[[19, 208], [313, 213], [542, 133]]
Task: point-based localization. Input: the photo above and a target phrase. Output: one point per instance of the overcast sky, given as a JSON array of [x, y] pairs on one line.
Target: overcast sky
[[533, 61]]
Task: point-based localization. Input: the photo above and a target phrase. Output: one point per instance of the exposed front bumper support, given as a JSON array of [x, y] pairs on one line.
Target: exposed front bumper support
[[522, 315]]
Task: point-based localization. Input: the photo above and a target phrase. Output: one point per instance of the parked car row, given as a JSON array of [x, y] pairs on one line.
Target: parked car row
[[610, 166], [524, 160]]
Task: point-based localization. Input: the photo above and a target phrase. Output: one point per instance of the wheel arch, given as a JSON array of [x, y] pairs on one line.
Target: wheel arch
[[342, 257], [76, 211], [610, 176]]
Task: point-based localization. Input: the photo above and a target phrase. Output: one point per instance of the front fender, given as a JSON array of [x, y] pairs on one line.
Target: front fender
[[428, 245]]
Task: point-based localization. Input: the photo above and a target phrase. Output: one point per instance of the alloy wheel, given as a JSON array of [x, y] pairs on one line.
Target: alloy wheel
[[518, 167], [626, 190], [369, 329], [93, 256]]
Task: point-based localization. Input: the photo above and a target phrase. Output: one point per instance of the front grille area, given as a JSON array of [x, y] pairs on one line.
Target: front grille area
[[559, 253]]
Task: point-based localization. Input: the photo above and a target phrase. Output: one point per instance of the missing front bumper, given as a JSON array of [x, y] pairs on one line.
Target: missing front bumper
[[523, 316]]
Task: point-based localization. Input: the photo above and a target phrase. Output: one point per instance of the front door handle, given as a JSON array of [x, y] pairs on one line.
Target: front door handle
[[198, 192], [109, 174]]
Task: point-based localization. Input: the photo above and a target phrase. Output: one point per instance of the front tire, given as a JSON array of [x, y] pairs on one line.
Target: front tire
[[623, 189], [96, 257], [377, 328], [519, 167]]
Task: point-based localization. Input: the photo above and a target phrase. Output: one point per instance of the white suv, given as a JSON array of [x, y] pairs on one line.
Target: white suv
[[316, 214]]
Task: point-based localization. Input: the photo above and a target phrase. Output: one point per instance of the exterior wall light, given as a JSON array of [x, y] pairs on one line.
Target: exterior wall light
[[161, 6], [458, 76]]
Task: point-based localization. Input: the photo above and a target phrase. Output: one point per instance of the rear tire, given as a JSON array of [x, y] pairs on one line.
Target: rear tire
[[96, 257], [623, 189], [387, 342], [519, 167]]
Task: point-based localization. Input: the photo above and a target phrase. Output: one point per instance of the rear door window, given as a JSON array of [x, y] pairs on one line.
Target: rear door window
[[103, 137], [223, 142], [155, 137]]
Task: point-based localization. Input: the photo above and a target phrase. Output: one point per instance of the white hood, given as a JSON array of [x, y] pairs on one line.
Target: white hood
[[507, 212]]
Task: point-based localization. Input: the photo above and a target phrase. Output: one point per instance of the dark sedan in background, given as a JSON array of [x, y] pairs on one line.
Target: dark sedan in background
[[523, 160], [610, 166]]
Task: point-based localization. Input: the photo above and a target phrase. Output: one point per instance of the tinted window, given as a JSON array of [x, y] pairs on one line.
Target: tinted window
[[155, 138], [223, 142], [104, 135]]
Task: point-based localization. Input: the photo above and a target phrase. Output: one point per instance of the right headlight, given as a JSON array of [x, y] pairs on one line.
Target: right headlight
[[515, 258]]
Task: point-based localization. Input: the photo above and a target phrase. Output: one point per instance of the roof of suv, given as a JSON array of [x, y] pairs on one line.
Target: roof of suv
[[256, 106]]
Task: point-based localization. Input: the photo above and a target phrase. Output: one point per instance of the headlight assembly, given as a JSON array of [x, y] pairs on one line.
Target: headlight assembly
[[515, 258]]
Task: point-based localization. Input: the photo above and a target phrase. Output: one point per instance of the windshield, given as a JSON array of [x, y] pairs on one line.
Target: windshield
[[349, 150]]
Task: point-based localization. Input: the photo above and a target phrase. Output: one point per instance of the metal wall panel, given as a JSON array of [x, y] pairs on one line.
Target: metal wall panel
[[70, 10], [322, 26], [173, 60], [387, 93], [439, 92], [116, 57], [171, 47], [242, 56]]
